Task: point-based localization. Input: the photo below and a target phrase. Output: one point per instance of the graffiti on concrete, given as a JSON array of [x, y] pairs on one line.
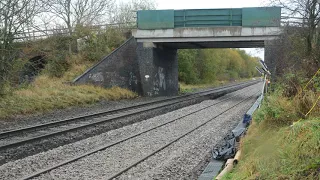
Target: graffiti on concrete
[[155, 89], [159, 81], [97, 77], [132, 79], [162, 83]]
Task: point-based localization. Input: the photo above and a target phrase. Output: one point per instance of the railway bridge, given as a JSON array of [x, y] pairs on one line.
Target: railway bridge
[[147, 63]]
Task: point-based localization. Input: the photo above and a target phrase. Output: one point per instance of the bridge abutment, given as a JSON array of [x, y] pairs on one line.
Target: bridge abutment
[[158, 67]]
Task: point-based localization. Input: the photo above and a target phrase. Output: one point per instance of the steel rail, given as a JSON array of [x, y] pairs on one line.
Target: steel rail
[[103, 120], [70, 120], [122, 140], [175, 140]]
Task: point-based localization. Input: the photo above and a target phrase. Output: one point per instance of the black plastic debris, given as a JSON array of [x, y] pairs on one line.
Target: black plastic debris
[[228, 148]]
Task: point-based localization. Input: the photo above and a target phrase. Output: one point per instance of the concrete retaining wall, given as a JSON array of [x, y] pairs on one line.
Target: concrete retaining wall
[[120, 68], [147, 70]]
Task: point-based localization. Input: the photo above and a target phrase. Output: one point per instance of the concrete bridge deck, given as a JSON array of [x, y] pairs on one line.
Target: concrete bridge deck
[[209, 37]]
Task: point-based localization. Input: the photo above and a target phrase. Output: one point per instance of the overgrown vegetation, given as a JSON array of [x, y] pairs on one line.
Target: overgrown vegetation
[[273, 149], [100, 24], [75, 37], [98, 45], [51, 88], [47, 93], [207, 66]]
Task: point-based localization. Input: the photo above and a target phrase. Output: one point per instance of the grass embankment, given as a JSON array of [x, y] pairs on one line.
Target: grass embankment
[[47, 93], [273, 149]]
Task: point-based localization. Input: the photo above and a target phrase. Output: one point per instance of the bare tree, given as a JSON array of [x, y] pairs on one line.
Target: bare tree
[[304, 13], [126, 12], [15, 16], [75, 12], [297, 51]]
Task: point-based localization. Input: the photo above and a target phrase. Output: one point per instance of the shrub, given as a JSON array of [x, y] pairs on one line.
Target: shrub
[[280, 153], [100, 44], [276, 111], [304, 101], [57, 65], [187, 63], [274, 150]]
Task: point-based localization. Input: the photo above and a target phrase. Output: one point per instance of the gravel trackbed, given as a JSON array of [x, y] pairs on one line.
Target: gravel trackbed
[[182, 159]]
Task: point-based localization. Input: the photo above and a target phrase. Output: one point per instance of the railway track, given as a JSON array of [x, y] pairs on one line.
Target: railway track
[[120, 172], [21, 137]]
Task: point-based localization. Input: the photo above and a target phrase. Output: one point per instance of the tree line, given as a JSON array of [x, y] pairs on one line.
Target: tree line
[[208, 65]]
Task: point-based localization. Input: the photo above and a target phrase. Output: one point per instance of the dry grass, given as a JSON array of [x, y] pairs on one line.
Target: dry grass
[[274, 150], [304, 102], [284, 153], [78, 66], [277, 111], [46, 94]]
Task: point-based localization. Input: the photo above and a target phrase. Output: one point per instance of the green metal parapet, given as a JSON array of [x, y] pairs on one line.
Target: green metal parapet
[[156, 19], [207, 17], [246, 17]]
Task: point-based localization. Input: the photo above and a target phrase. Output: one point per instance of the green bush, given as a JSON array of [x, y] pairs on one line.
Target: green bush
[[57, 65], [277, 111], [99, 44], [187, 63], [280, 152]]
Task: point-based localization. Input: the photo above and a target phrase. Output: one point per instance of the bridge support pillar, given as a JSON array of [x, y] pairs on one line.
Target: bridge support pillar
[[158, 68]]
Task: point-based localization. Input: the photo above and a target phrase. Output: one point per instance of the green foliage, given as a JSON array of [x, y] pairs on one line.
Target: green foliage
[[98, 45], [54, 43], [316, 83], [209, 65], [57, 65], [281, 152], [187, 62], [277, 111], [272, 148], [9, 70]]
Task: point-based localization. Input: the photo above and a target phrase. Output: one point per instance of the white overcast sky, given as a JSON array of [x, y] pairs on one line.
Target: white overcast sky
[[208, 4]]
